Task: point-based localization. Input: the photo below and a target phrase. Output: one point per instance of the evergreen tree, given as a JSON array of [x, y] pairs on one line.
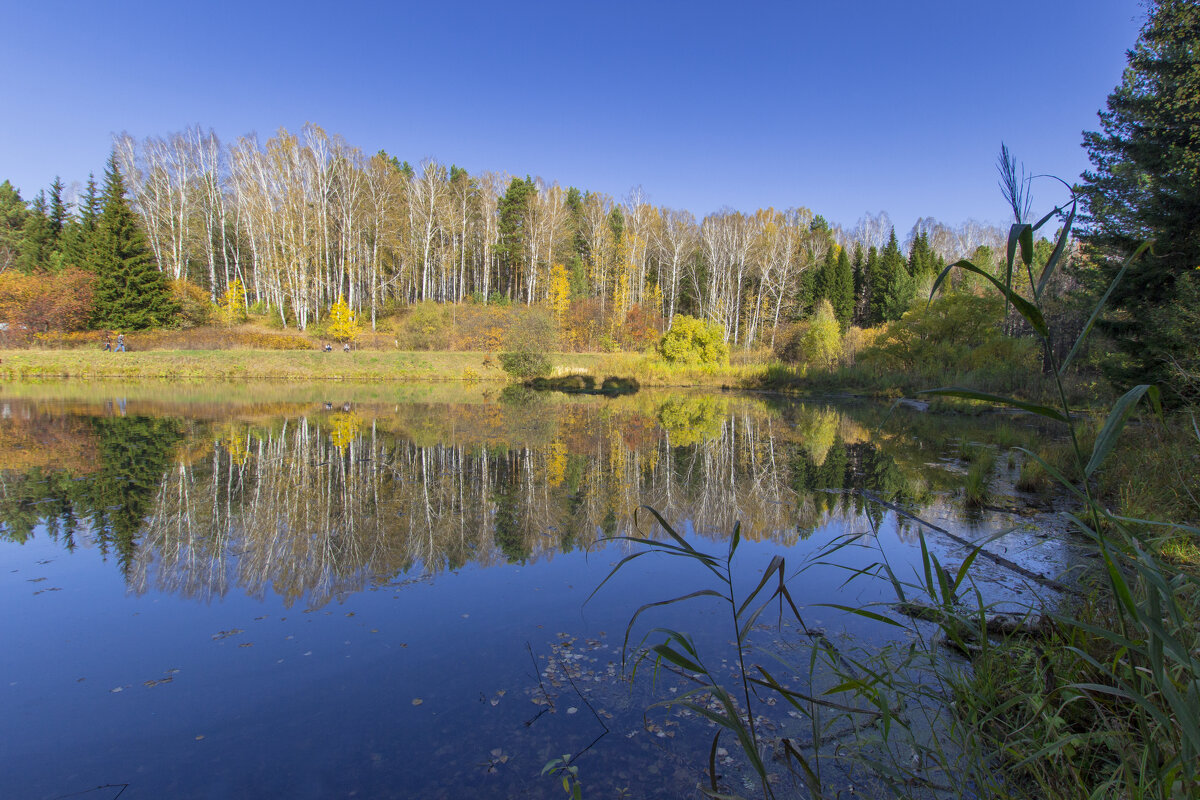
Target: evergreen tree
[[869, 270], [842, 296], [891, 285], [131, 291], [859, 266], [36, 238], [824, 278], [57, 213], [13, 212], [922, 261], [512, 207], [79, 233], [1145, 183]]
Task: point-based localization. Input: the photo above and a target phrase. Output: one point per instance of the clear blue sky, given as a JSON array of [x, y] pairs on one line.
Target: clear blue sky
[[843, 107]]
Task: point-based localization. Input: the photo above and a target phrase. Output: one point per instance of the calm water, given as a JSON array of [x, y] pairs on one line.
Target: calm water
[[327, 591]]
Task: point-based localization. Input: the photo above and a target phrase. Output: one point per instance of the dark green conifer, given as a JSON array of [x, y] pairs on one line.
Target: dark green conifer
[[131, 291], [36, 238], [891, 285], [842, 292]]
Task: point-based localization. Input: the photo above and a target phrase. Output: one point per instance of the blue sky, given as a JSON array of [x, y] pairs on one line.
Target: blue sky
[[843, 107]]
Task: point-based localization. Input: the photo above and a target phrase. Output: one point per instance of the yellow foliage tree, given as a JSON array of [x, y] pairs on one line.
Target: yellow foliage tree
[[560, 292], [233, 302], [343, 323]]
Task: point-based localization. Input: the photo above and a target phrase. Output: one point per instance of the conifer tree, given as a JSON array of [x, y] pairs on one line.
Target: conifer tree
[[36, 237], [13, 212], [843, 290], [1145, 183], [57, 213], [859, 267], [79, 232], [131, 291], [891, 285]]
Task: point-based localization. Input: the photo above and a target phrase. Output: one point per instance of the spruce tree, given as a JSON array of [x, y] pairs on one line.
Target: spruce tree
[[891, 285], [13, 212], [1145, 183], [79, 233], [57, 213], [131, 291], [859, 266], [843, 290], [36, 238]]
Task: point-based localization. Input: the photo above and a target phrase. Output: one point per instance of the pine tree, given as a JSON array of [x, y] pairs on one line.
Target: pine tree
[[131, 291], [1145, 183], [512, 207]]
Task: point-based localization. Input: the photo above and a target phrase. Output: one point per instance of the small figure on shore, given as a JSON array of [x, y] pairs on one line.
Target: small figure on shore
[[107, 342], [346, 347], [328, 347], [120, 343]]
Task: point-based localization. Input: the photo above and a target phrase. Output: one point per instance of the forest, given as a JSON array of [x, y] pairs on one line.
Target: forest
[[304, 230]]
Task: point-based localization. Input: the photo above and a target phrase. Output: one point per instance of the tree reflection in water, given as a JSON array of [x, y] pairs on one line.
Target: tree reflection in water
[[312, 501]]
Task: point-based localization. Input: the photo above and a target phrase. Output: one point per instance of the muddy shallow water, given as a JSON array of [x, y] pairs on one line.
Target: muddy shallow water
[[336, 591]]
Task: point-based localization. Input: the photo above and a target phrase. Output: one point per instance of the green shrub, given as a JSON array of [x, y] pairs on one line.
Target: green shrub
[[694, 342], [525, 363]]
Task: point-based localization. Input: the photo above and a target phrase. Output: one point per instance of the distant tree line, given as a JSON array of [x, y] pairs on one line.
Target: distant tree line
[[288, 227], [305, 219]]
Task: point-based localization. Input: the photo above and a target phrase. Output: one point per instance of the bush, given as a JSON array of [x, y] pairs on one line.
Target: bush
[[524, 364], [46, 301], [195, 307], [955, 334], [822, 342], [694, 342], [532, 335]]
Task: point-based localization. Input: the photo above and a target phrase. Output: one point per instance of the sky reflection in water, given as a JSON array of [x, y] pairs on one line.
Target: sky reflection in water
[[275, 597]]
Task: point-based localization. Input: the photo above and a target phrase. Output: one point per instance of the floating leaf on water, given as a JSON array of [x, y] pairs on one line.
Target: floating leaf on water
[[246, 644], [572, 710], [118, 689], [309, 653], [227, 634], [417, 701], [199, 736]]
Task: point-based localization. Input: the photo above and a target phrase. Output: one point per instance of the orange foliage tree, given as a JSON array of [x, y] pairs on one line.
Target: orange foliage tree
[[45, 301]]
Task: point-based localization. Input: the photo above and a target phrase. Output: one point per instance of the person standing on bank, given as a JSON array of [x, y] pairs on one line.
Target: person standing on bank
[[120, 343]]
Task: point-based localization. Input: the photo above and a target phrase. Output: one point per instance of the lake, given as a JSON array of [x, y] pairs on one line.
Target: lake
[[270, 590]]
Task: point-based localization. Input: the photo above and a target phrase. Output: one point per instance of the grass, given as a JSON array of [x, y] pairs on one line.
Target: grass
[[1103, 700], [357, 365], [983, 462]]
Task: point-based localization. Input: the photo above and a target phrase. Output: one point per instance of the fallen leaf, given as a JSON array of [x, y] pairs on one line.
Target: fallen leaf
[[417, 701]]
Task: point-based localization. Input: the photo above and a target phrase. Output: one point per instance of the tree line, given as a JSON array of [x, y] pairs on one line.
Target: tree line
[[306, 219]]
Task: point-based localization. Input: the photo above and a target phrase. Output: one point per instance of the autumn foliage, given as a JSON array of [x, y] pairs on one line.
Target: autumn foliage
[[46, 301]]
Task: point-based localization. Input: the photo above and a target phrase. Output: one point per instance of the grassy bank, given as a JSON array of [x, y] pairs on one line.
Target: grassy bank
[[359, 365]]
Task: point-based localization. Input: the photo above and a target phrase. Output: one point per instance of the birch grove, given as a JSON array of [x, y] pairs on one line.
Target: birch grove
[[304, 219]]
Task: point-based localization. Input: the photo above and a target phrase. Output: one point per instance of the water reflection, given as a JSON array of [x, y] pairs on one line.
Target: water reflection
[[315, 500]]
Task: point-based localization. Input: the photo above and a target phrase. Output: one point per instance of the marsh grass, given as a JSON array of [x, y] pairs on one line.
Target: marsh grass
[[1100, 698]]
